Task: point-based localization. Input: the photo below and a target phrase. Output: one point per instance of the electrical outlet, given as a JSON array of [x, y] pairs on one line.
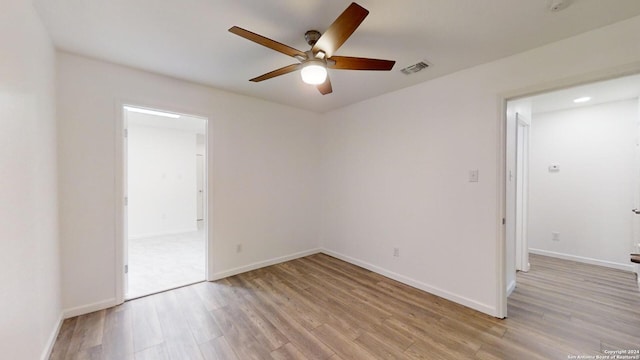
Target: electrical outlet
[[396, 252], [555, 236], [239, 248]]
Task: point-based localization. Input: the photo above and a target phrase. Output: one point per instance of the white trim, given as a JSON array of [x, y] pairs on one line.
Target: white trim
[[585, 260], [89, 308], [85, 309], [105, 304], [261, 264], [614, 72], [511, 287], [119, 191], [207, 199], [46, 352], [119, 186], [487, 309], [501, 211], [522, 120]]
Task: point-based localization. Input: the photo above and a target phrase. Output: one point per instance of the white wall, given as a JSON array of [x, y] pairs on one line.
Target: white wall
[[30, 276], [589, 200], [395, 168], [262, 167], [161, 180]]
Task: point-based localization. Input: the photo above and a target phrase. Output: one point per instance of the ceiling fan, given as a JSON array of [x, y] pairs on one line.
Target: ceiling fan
[[313, 63]]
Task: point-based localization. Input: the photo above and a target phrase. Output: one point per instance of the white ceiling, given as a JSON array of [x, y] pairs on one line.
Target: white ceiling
[[183, 123], [189, 39], [624, 88]]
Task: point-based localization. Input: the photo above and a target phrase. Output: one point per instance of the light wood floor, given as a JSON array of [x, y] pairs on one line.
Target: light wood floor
[[319, 307]]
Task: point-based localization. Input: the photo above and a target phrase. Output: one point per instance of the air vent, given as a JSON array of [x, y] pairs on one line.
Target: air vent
[[412, 69]]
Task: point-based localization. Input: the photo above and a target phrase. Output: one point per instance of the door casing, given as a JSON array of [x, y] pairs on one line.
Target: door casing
[[121, 193]]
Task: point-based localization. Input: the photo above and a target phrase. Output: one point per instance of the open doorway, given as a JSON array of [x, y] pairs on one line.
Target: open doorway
[[165, 200], [573, 176]]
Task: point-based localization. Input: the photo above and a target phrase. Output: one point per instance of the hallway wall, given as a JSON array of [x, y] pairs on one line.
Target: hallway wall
[[588, 201], [29, 248]]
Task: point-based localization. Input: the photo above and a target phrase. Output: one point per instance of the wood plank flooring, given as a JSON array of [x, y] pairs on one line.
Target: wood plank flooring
[[319, 307]]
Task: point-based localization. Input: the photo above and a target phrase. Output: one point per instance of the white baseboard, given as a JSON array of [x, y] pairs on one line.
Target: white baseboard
[[46, 352], [582, 259], [490, 310], [261, 264], [85, 309], [511, 287], [104, 304]]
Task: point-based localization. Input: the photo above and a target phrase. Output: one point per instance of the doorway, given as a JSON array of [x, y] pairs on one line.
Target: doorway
[[573, 176], [165, 228]]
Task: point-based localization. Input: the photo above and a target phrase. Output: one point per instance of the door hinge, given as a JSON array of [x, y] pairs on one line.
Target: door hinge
[[504, 221], [126, 269], [126, 133], [126, 201]]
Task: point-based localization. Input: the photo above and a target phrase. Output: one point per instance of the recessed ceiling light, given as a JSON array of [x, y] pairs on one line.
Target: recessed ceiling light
[[582, 99], [152, 112]]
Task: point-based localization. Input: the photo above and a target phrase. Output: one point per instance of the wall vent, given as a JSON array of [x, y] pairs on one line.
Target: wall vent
[[412, 69]]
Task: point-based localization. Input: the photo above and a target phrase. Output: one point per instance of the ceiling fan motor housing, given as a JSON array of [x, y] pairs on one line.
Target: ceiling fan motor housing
[[312, 37]]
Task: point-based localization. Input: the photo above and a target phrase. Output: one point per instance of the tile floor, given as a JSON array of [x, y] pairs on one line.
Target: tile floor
[[165, 262]]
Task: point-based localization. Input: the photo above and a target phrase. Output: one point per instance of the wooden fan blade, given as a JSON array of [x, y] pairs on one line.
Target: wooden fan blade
[[271, 44], [325, 88], [284, 70], [340, 30], [358, 63]]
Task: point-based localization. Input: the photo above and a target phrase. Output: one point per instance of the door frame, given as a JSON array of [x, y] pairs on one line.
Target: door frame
[[635, 245], [501, 193], [120, 182]]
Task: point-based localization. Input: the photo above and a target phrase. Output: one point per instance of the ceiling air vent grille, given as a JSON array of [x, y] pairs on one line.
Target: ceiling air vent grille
[[412, 69]]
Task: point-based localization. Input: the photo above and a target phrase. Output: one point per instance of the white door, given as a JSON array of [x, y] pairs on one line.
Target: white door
[[200, 188], [517, 157], [125, 217], [510, 223], [522, 193]]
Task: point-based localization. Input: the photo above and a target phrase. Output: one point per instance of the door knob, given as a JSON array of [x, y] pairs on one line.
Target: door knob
[[636, 211]]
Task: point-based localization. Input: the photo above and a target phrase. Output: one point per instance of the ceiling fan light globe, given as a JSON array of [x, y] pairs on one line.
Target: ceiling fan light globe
[[314, 74]]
